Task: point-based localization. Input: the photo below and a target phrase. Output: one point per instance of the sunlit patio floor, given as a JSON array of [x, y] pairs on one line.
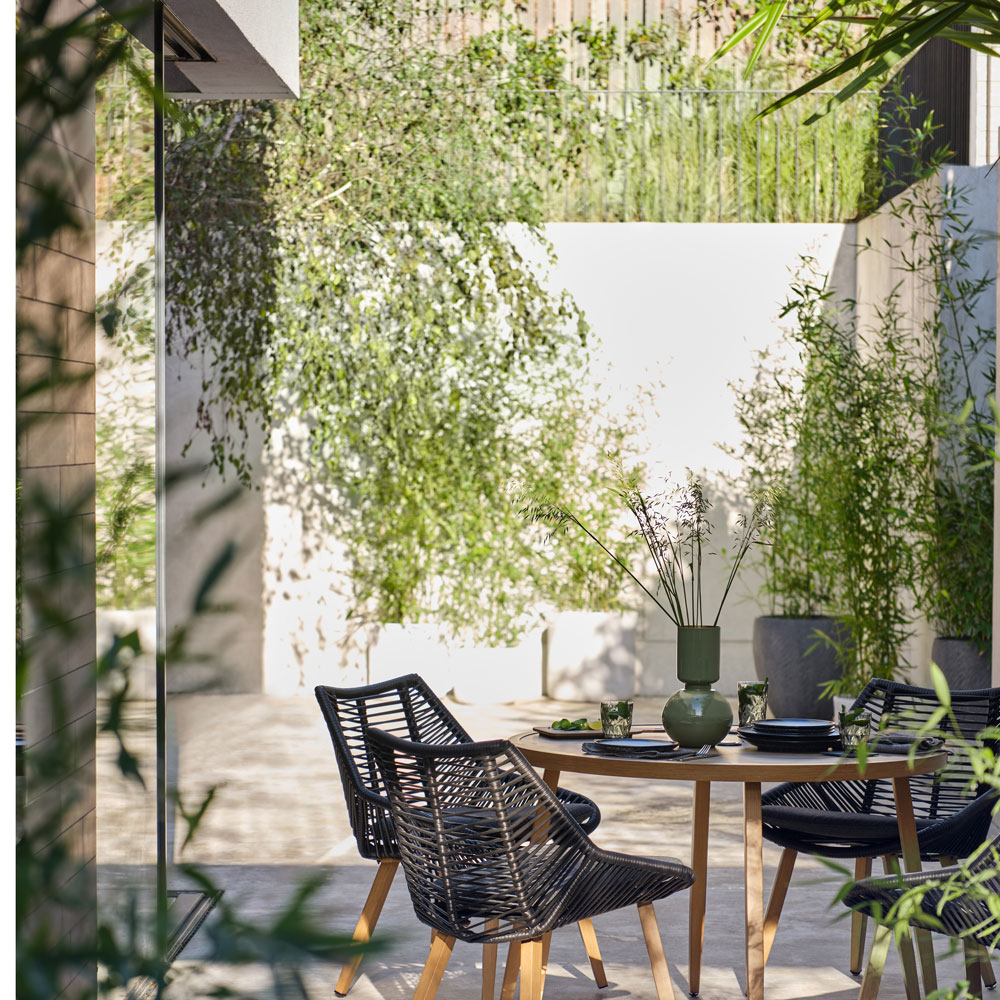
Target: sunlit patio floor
[[278, 817]]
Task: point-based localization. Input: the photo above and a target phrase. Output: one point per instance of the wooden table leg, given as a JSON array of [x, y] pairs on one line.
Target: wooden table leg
[[911, 862], [541, 829], [753, 858], [696, 903]]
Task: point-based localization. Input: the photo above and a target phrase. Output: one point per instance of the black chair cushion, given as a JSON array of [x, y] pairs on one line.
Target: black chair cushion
[[836, 826], [585, 813]]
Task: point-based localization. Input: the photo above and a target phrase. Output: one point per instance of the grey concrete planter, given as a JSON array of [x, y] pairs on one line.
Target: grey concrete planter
[[963, 666], [795, 676]]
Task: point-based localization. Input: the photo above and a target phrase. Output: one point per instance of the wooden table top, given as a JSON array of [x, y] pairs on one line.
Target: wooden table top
[[745, 763]]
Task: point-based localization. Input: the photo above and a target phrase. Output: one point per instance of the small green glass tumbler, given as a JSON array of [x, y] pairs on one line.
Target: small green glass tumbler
[[616, 718], [751, 698], [855, 728]]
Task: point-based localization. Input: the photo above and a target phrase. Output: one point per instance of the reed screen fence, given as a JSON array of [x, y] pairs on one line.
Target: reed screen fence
[[698, 156]]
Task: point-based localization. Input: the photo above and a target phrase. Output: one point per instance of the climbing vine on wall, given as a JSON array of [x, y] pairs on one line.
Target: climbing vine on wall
[[351, 266]]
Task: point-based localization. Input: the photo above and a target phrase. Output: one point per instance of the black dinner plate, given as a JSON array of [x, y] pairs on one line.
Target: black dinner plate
[[566, 734], [788, 726], [791, 744], [627, 745]]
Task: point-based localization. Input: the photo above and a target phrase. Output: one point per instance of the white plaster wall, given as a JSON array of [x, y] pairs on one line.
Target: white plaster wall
[[679, 310], [223, 648], [985, 109]]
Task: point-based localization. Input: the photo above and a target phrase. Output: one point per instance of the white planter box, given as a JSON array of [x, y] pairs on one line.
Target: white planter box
[[411, 649], [471, 674], [498, 674], [590, 655]]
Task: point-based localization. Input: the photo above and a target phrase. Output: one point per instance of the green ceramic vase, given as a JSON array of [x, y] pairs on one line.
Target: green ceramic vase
[[697, 714]]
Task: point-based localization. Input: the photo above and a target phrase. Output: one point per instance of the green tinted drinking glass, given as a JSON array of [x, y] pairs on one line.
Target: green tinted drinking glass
[[752, 699], [616, 718]]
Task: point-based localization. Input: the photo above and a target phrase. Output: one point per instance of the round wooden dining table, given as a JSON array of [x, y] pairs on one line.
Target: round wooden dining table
[[751, 768]]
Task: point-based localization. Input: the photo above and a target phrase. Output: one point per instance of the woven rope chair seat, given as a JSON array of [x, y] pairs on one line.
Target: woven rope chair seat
[[852, 819], [954, 898], [406, 707], [511, 870]]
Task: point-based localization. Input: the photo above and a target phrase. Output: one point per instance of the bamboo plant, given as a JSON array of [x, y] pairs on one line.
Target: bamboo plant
[[676, 529]]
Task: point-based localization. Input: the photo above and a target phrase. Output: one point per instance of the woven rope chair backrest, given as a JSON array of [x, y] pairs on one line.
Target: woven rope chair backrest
[[404, 706], [902, 706], [968, 903], [481, 836]]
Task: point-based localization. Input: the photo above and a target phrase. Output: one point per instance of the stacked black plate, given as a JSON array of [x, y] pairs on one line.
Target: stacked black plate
[[792, 735], [632, 747]]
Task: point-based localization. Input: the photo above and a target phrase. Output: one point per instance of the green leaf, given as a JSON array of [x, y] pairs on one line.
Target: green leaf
[[773, 12], [940, 686]]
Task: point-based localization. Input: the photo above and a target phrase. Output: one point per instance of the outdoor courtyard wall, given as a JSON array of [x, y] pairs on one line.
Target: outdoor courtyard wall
[[678, 311], [881, 270]]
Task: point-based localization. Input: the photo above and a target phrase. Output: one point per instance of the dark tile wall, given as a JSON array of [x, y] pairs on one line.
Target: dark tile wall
[[56, 441]]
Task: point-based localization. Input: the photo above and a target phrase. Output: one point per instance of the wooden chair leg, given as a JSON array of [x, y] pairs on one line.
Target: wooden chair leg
[[546, 944], [490, 964], [531, 969], [593, 952], [654, 947], [776, 900], [972, 959], [876, 962], [859, 922], [511, 969], [986, 971], [437, 960], [908, 961], [367, 921]]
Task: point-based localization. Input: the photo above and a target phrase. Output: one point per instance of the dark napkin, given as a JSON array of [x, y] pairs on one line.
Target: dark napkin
[[650, 753], [902, 743]]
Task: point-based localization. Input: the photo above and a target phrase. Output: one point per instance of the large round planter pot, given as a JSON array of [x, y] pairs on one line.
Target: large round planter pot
[[697, 715], [963, 666], [781, 653]]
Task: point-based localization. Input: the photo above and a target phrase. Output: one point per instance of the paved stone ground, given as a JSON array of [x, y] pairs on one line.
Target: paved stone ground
[[279, 817]]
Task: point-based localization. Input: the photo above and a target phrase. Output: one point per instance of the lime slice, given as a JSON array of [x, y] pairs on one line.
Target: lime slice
[[595, 724]]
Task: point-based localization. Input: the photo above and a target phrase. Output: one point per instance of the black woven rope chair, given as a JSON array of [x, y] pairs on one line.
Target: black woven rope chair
[[955, 903], [404, 706], [857, 819], [492, 856]]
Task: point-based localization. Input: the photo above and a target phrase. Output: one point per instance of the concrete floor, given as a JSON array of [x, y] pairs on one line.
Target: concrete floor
[[278, 817]]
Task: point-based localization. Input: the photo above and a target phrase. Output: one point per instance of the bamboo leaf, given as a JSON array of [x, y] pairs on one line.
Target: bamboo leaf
[[754, 24], [774, 13], [940, 685]]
